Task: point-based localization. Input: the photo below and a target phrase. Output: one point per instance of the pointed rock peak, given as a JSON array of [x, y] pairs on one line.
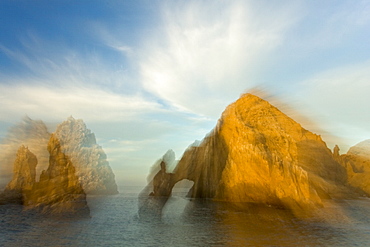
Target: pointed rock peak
[[250, 96], [54, 144], [73, 124], [24, 170], [23, 149], [251, 100], [336, 150], [169, 156]]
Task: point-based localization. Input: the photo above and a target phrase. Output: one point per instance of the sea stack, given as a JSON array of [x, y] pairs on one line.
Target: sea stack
[[257, 154], [29, 133], [24, 170], [24, 177], [58, 191], [89, 159]]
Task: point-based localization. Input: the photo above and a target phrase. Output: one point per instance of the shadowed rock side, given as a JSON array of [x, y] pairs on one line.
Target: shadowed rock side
[[92, 167], [257, 154], [154, 196], [59, 190], [357, 164], [24, 177], [31, 133]]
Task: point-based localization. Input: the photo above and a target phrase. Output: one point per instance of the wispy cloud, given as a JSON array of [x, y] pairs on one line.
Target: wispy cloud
[[339, 96], [57, 103], [206, 55], [57, 81]]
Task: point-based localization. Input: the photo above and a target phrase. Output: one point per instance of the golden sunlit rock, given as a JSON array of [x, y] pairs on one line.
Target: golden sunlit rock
[[59, 190], [30, 133], [24, 177], [89, 159], [24, 170], [257, 154]]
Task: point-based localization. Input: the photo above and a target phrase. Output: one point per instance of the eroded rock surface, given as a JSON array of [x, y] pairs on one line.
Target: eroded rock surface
[[24, 177], [257, 154], [24, 170], [90, 160], [59, 190]]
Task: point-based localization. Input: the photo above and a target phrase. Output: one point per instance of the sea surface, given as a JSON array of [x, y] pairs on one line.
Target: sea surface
[[114, 221]]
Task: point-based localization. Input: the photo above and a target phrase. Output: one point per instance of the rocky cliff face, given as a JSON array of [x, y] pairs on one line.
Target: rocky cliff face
[[24, 170], [357, 164], [32, 134], [58, 190], [258, 154], [24, 177], [92, 167]]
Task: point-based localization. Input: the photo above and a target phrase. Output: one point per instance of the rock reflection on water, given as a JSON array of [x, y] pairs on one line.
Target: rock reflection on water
[[205, 222], [188, 222], [258, 225]]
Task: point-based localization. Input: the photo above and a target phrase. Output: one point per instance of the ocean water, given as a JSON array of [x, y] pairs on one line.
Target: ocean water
[[114, 221]]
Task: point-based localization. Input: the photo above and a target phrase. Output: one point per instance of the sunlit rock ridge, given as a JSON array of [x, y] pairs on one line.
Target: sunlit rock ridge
[[24, 177], [257, 154]]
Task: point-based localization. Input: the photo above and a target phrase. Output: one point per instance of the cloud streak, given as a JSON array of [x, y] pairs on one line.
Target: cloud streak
[[56, 83], [206, 55], [91, 104]]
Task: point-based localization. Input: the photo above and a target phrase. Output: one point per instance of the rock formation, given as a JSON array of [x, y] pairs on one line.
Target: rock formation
[[92, 167], [357, 163], [257, 154], [24, 171], [32, 134], [59, 190], [154, 196], [24, 177], [77, 142]]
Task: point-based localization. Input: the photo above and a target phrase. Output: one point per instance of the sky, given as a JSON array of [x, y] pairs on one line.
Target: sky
[[147, 75]]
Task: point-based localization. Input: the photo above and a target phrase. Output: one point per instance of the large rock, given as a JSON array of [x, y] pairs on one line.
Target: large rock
[[24, 170], [92, 167], [24, 177], [357, 163], [58, 190], [32, 134], [257, 154]]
